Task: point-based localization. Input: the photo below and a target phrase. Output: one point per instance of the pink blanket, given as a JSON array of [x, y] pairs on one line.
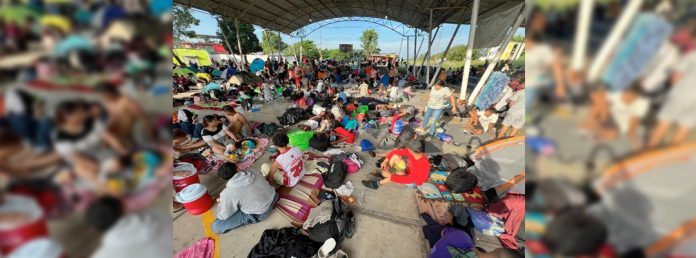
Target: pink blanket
[[205, 248]]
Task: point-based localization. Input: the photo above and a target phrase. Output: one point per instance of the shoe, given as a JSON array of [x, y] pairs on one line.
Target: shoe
[[350, 224], [326, 195], [370, 184], [376, 176], [372, 154]]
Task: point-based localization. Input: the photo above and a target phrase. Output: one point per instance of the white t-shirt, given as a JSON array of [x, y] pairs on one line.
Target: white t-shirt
[[313, 124], [218, 135], [393, 92], [292, 166], [143, 234], [517, 100], [86, 142], [320, 85], [364, 89], [502, 101], [438, 97], [486, 120], [337, 112], [538, 65], [622, 112]]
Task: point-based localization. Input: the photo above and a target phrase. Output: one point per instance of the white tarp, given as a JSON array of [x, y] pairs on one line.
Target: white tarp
[[490, 31]]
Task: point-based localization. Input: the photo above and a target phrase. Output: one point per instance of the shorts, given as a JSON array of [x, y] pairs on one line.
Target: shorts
[[679, 108], [515, 120]]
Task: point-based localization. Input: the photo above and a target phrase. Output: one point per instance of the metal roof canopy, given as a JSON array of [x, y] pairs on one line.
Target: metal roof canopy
[[291, 16]]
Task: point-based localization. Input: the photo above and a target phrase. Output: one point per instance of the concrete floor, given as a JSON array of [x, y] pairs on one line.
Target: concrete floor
[[387, 220]]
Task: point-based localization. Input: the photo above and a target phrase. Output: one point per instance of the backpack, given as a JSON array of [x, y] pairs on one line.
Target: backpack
[[320, 142], [366, 145], [336, 174], [461, 181], [450, 162], [269, 129], [351, 167], [342, 221]]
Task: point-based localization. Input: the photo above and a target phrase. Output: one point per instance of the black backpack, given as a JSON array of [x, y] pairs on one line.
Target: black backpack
[[450, 162], [320, 142], [269, 129], [461, 181], [341, 223], [336, 174]]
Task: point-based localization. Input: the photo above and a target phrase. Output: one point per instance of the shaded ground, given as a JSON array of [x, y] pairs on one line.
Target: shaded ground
[[387, 220]]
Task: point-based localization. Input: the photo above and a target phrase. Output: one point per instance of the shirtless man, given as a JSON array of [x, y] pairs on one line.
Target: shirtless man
[[238, 123], [123, 113]]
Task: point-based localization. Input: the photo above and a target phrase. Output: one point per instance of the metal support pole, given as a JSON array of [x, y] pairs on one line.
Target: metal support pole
[[415, 53], [428, 54], [613, 39], [408, 54], [272, 55], [401, 45], [224, 37], [294, 52], [280, 51], [430, 43], [506, 41], [469, 49], [582, 31], [519, 52], [301, 51], [239, 44], [444, 55]]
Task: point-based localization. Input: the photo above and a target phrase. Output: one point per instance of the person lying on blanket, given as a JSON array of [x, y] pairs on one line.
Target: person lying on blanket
[[417, 167], [246, 199], [288, 168], [238, 123], [217, 135]]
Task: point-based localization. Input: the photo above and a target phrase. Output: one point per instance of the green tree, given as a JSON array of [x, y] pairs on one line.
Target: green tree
[[518, 38], [271, 42], [369, 42], [183, 21], [336, 54], [309, 49], [250, 43], [457, 53]]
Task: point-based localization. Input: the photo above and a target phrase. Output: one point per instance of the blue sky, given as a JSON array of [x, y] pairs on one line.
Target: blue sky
[[349, 33]]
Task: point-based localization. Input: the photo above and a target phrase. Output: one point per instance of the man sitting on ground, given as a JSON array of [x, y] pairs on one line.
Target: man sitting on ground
[[288, 168], [238, 123], [246, 199], [417, 167]]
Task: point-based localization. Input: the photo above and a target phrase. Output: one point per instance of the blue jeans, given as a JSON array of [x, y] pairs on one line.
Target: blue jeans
[[37, 132], [430, 119], [240, 218], [193, 130]]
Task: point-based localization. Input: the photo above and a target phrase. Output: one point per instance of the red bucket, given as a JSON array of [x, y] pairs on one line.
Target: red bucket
[[13, 237], [185, 174], [195, 199]]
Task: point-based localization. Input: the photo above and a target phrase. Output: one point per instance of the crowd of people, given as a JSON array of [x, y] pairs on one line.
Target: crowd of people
[[96, 152], [332, 103]]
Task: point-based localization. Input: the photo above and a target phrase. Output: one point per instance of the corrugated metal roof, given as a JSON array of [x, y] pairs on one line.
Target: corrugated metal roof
[[290, 15]]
